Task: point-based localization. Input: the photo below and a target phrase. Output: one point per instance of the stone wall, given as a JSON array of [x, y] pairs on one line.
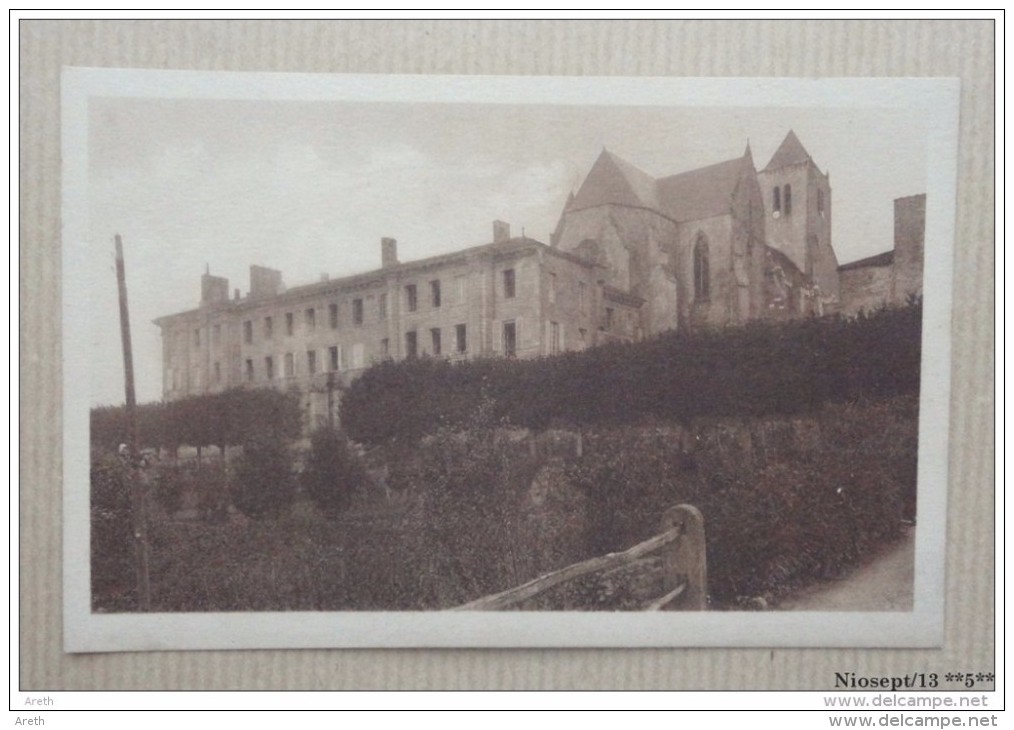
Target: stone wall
[[865, 288]]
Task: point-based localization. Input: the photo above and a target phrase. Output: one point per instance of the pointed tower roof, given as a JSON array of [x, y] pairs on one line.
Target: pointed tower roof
[[791, 152], [614, 180]]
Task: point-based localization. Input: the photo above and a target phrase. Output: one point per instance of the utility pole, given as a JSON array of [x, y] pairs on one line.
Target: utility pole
[[137, 490]]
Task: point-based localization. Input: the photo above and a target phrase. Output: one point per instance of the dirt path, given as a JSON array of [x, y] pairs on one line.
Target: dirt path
[[885, 583]]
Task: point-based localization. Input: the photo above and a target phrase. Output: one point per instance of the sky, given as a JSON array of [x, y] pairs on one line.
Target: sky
[[310, 187]]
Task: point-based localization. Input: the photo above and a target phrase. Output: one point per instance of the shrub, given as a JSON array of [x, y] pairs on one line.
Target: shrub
[[777, 515], [333, 472], [264, 485], [468, 486], [220, 419], [111, 547], [756, 369]]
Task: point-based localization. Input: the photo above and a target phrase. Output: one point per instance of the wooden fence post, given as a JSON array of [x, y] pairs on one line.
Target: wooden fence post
[[685, 559]]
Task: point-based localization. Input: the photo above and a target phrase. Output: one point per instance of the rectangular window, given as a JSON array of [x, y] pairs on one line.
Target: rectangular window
[[332, 315], [583, 333], [311, 319], [358, 356], [411, 298], [382, 306], [508, 284], [411, 344], [311, 362], [197, 338], [269, 328], [435, 293], [554, 338], [249, 371], [357, 311], [269, 367], [460, 338], [435, 340], [289, 323], [290, 365], [248, 332], [552, 288], [218, 373], [332, 354], [385, 347], [510, 339]]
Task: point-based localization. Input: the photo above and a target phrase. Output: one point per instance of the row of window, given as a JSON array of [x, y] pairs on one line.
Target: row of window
[[436, 341], [411, 305], [781, 200], [338, 357]]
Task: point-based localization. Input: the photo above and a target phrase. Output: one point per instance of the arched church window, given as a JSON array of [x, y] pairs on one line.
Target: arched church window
[[702, 276], [787, 198], [776, 199]]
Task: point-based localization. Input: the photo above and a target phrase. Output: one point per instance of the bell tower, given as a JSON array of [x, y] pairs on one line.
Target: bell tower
[[797, 211]]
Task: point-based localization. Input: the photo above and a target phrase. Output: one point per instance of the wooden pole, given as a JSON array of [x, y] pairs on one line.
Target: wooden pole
[[139, 516], [685, 562]]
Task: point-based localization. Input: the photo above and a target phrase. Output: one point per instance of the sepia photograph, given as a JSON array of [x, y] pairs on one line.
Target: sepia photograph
[[447, 361]]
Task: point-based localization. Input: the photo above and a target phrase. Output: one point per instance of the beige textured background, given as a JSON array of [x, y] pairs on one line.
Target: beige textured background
[[643, 48]]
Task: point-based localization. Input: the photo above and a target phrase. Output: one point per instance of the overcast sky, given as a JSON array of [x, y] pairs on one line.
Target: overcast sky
[[311, 187]]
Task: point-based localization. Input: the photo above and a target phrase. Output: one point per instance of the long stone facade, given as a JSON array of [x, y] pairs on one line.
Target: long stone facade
[[514, 297], [631, 256]]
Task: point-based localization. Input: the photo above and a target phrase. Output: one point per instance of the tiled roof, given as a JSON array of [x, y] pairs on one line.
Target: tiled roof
[[692, 195], [701, 193], [616, 181], [881, 259]]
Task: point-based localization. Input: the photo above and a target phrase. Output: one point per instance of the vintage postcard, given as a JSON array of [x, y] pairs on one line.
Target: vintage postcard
[[420, 361]]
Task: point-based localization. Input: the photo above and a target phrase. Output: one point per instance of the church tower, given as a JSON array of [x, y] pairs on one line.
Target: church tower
[[797, 207]]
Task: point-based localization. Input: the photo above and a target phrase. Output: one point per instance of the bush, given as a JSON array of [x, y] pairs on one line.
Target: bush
[[111, 549], [756, 369], [220, 419], [264, 485], [333, 472], [779, 513], [468, 488]]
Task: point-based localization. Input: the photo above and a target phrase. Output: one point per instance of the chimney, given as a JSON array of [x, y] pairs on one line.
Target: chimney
[[214, 289], [501, 232], [265, 282], [388, 252]]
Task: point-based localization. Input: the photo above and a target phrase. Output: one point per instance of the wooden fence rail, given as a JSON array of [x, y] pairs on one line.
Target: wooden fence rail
[[681, 544]]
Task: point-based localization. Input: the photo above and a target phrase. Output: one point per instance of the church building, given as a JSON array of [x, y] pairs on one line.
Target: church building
[[632, 256], [714, 246]]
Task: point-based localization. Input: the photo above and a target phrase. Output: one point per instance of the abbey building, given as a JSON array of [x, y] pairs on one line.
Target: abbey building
[[631, 256]]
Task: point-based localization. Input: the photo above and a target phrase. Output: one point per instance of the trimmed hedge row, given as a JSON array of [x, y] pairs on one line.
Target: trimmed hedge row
[[222, 419], [777, 516], [756, 369]]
